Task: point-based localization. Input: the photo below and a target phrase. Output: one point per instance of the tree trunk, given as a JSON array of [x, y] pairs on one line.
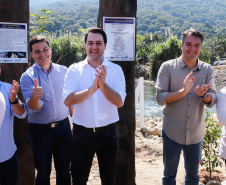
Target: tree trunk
[[18, 12], [127, 123]]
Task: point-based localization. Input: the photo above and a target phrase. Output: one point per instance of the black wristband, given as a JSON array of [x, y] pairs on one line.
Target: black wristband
[[205, 95], [15, 102]]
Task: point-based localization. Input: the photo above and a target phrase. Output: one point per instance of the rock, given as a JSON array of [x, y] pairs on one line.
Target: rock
[[157, 130], [146, 134], [149, 136]]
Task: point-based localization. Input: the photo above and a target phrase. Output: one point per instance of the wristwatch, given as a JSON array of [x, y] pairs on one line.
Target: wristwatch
[[14, 102], [206, 95]]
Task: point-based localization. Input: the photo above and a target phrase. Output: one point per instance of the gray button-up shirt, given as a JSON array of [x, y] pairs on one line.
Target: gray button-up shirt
[[183, 120]]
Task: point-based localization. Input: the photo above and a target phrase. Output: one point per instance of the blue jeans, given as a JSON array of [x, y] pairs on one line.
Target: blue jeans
[[9, 171], [47, 142], [85, 144], [171, 157]]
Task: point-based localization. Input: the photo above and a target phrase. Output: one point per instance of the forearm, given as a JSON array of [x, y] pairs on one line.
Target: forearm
[[18, 108], [78, 97], [208, 99], [174, 96], [111, 95], [34, 104]]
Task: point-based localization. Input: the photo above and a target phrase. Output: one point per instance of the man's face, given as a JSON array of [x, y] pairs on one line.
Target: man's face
[[41, 53], [191, 47], [95, 47]]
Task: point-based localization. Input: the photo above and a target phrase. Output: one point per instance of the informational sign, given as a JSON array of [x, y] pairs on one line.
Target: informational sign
[[13, 43], [120, 38]]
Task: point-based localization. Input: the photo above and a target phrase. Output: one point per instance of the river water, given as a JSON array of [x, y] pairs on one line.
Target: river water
[[151, 108]]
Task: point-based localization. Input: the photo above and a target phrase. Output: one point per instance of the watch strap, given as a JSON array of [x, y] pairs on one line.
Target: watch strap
[[14, 102], [206, 95]]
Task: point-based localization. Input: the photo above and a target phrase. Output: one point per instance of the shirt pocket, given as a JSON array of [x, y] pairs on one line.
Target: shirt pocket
[[201, 81]]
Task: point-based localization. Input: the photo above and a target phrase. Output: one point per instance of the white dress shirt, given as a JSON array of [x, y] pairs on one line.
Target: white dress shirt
[[221, 115], [96, 111]]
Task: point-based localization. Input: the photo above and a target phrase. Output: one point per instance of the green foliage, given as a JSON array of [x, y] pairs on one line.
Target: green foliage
[[157, 15], [213, 48], [153, 16], [68, 49], [162, 52], [70, 16], [211, 144], [39, 22]]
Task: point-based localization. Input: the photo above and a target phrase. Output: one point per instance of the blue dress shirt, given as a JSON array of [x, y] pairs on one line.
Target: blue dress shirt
[[7, 144], [52, 105]]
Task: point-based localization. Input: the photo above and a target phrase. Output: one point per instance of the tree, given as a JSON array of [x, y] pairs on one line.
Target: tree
[[18, 12], [126, 125], [40, 22]]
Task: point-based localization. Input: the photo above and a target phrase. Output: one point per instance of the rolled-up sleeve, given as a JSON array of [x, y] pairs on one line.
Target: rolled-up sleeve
[[20, 116], [162, 85], [212, 89], [221, 107]]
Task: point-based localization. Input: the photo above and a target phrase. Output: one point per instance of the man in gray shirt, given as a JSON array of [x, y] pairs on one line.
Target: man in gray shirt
[[184, 85]]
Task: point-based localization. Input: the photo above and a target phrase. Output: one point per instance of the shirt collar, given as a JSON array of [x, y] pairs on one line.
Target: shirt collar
[[105, 62], [183, 64], [41, 69]]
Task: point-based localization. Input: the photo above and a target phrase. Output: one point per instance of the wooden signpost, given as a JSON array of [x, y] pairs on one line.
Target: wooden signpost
[[126, 165], [12, 11]]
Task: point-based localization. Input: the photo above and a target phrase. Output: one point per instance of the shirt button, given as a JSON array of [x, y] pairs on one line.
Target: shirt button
[[188, 116], [189, 93], [188, 105], [187, 128]]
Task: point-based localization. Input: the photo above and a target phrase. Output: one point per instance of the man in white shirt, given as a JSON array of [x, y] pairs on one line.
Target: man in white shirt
[[96, 88], [10, 106], [221, 115]]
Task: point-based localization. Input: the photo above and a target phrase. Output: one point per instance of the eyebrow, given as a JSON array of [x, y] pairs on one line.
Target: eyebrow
[[192, 42], [95, 41], [43, 48]]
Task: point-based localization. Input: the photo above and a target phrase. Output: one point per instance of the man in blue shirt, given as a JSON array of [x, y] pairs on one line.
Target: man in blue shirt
[[10, 106], [50, 132]]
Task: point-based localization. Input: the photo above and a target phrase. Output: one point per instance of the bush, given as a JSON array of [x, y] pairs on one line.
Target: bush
[[211, 144]]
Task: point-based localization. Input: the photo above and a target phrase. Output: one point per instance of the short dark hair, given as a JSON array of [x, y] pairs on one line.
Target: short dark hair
[[96, 30], [194, 33], [37, 39]]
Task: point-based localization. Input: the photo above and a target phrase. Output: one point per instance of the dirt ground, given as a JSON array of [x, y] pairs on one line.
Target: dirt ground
[[148, 163], [149, 167]]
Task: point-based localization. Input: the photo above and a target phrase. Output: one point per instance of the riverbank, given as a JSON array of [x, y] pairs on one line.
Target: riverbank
[[148, 148], [220, 77]]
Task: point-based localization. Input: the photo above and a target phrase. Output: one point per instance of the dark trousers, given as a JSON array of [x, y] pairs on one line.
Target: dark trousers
[[9, 171], [85, 143], [47, 142]]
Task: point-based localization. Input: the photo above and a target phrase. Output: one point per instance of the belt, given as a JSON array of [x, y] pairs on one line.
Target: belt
[[94, 129], [51, 125]]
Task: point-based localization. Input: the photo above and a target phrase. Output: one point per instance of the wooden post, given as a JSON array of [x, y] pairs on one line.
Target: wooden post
[[127, 123], [18, 12]]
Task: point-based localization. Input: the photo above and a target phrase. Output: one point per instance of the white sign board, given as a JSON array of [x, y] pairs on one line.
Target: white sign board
[[13, 43], [120, 38]]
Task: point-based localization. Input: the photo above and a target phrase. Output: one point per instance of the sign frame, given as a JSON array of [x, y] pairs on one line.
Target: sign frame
[[13, 42], [121, 38]]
